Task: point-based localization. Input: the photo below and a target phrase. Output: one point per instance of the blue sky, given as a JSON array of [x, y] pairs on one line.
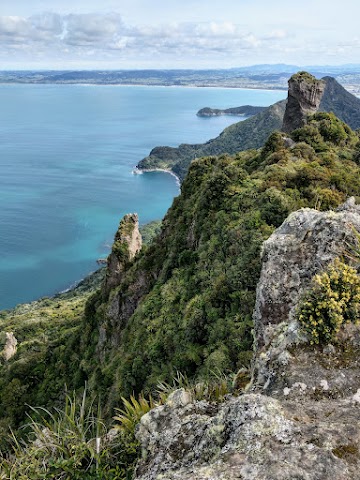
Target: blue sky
[[176, 34]]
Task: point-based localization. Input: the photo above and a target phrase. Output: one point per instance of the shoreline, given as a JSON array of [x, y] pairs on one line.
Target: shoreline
[[224, 87], [140, 171]]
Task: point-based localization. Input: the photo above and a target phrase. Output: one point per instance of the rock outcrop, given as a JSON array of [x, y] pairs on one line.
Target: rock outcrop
[[300, 417], [304, 97], [10, 346], [302, 246], [126, 244]]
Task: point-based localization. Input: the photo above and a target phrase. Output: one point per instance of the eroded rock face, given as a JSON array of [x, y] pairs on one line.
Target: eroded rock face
[[304, 98], [126, 244], [302, 246], [300, 418], [252, 437]]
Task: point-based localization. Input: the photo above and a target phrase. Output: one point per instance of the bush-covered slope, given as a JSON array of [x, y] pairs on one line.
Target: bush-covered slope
[[250, 133], [186, 303], [38, 373], [253, 132]]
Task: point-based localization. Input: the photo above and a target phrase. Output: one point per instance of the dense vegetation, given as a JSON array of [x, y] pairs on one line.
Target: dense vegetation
[[185, 303], [37, 374]]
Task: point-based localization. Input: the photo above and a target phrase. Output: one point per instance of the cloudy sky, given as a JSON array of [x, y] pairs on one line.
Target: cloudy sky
[[59, 34]]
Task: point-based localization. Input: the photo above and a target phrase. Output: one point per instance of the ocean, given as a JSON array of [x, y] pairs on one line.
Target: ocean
[[67, 154]]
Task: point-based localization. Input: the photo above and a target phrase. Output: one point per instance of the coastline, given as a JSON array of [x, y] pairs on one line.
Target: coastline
[[140, 171], [80, 84]]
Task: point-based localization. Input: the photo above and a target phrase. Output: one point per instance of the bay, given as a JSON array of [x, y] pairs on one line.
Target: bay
[[67, 154]]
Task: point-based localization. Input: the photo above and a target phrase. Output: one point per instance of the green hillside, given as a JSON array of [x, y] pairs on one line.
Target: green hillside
[[253, 132], [185, 302]]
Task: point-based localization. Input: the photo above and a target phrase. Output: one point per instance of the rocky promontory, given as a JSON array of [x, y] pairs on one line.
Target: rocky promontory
[[243, 111]]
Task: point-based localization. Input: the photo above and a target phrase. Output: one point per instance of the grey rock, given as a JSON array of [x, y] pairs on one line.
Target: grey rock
[[127, 243], [304, 98], [253, 437], [10, 346]]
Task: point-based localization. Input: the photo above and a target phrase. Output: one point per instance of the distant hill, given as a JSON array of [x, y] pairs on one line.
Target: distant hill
[[244, 110], [253, 132], [338, 100]]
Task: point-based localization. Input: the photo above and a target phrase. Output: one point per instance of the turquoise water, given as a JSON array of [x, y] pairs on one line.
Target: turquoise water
[[66, 160]]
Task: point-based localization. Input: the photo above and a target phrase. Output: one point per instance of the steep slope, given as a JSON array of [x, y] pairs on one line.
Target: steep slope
[[186, 303], [342, 103], [300, 420], [253, 132], [44, 332]]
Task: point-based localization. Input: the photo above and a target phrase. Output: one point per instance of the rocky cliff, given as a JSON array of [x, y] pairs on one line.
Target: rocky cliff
[[304, 97], [127, 243], [300, 417]]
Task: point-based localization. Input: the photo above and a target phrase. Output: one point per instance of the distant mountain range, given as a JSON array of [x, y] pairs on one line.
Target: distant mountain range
[[253, 132]]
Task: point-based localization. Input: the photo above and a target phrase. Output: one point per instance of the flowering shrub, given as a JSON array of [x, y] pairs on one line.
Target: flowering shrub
[[333, 301]]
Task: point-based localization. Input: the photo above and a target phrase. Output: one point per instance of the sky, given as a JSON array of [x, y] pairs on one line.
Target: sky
[[127, 34]]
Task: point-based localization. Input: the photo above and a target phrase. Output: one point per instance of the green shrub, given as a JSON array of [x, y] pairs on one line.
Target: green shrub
[[71, 443], [333, 300]]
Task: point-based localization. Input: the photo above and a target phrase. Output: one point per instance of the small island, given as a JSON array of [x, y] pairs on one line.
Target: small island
[[243, 111]]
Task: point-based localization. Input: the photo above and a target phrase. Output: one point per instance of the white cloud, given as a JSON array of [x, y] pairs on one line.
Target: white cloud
[[92, 29], [97, 37]]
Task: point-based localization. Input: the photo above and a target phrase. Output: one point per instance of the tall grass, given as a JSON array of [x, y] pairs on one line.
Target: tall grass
[[71, 443]]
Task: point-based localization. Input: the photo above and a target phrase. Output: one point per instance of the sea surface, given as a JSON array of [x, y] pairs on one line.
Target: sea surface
[[67, 154]]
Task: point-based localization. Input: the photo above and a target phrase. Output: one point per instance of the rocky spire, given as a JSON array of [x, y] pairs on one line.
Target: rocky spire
[[126, 244], [304, 97]]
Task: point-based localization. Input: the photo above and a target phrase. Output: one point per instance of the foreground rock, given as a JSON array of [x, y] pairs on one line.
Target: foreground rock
[[300, 418]]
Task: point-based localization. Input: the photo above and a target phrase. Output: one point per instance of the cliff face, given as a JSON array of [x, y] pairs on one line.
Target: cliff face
[[126, 244], [304, 244], [301, 418], [304, 97]]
